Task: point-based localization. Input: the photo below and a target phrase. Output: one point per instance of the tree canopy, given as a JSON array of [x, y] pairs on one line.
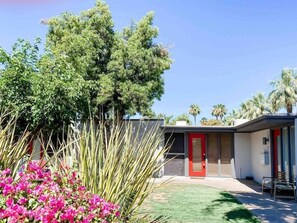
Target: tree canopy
[[194, 110], [181, 117], [42, 90], [121, 71], [86, 70], [284, 93]]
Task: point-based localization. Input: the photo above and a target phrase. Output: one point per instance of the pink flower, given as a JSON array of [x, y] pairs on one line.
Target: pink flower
[[8, 189], [6, 172], [9, 202], [41, 196], [22, 200]]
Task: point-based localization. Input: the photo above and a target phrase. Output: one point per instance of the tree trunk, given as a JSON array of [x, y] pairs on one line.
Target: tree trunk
[[289, 108], [195, 119]]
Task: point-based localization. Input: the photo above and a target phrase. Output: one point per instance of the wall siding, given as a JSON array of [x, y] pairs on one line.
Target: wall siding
[[259, 169], [242, 152]]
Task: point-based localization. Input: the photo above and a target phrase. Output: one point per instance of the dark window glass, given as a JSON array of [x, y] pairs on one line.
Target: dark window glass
[[176, 140]]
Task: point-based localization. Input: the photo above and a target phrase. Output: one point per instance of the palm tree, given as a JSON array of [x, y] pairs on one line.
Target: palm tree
[[203, 121], [219, 110], [284, 94], [257, 106], [230, 118], [194, 110]]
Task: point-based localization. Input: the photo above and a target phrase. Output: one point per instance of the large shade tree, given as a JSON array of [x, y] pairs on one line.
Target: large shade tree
[[87, 69], [194, 110], [121, 71], [284, 93]]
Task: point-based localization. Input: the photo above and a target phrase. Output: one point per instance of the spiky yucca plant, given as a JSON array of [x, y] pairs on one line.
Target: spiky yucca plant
[[117, 163], [13, 147]]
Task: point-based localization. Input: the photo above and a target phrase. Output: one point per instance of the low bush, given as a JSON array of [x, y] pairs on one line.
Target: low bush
[[39, 195]]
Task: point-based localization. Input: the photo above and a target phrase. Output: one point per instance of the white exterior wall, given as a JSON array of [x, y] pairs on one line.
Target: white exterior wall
[[259, 169], [242, 153]]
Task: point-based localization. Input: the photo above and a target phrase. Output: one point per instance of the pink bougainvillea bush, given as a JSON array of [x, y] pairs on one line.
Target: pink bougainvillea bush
[[42, 196]]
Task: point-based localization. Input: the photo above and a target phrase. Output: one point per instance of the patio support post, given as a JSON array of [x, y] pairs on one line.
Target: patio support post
[[295, 152]]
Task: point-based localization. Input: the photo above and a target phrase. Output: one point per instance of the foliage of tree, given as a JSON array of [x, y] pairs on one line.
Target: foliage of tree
[[219, 110], [57, 90], [182, 117], [255, 107], [212, 122], [121, 71], [203, 121], [194, 110], [284, 93], [166, 118], [87, 69], [42, 90], [230, 118], [18, 70]]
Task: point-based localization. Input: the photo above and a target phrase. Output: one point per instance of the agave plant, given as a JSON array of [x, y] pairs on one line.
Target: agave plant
[[13, 147], [117, 163]]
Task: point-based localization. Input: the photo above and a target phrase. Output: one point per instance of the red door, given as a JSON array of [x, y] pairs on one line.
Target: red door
[[197, 155]]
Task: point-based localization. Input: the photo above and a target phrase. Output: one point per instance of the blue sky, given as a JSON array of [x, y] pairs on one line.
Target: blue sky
[[223, 51]]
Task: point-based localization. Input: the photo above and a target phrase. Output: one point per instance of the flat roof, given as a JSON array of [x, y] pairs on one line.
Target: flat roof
[[269, 121], [177, 128]]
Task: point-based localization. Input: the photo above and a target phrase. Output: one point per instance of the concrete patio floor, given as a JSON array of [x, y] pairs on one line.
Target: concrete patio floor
[[249, 193]]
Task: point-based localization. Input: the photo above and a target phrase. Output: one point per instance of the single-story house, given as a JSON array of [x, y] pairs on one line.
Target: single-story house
[[253, 149]]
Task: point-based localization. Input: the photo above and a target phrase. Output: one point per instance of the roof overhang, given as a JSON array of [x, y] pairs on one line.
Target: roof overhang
[[264, 122], [267, 122], [198, 129]]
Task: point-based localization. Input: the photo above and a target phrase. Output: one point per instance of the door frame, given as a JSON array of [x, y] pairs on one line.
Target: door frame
[[276, 133], [201, 173]]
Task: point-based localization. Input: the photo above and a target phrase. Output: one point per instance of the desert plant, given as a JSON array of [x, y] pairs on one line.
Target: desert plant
[[117, 163], [13, 147]]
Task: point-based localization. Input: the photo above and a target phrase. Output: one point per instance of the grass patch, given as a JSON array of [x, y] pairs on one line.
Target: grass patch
[[195, 203]]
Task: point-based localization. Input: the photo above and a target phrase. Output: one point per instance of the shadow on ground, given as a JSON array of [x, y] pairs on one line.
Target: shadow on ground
[[237, 214], [268, 210]]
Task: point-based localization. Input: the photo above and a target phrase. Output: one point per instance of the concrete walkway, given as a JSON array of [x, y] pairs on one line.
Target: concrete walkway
[[249, 193]]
